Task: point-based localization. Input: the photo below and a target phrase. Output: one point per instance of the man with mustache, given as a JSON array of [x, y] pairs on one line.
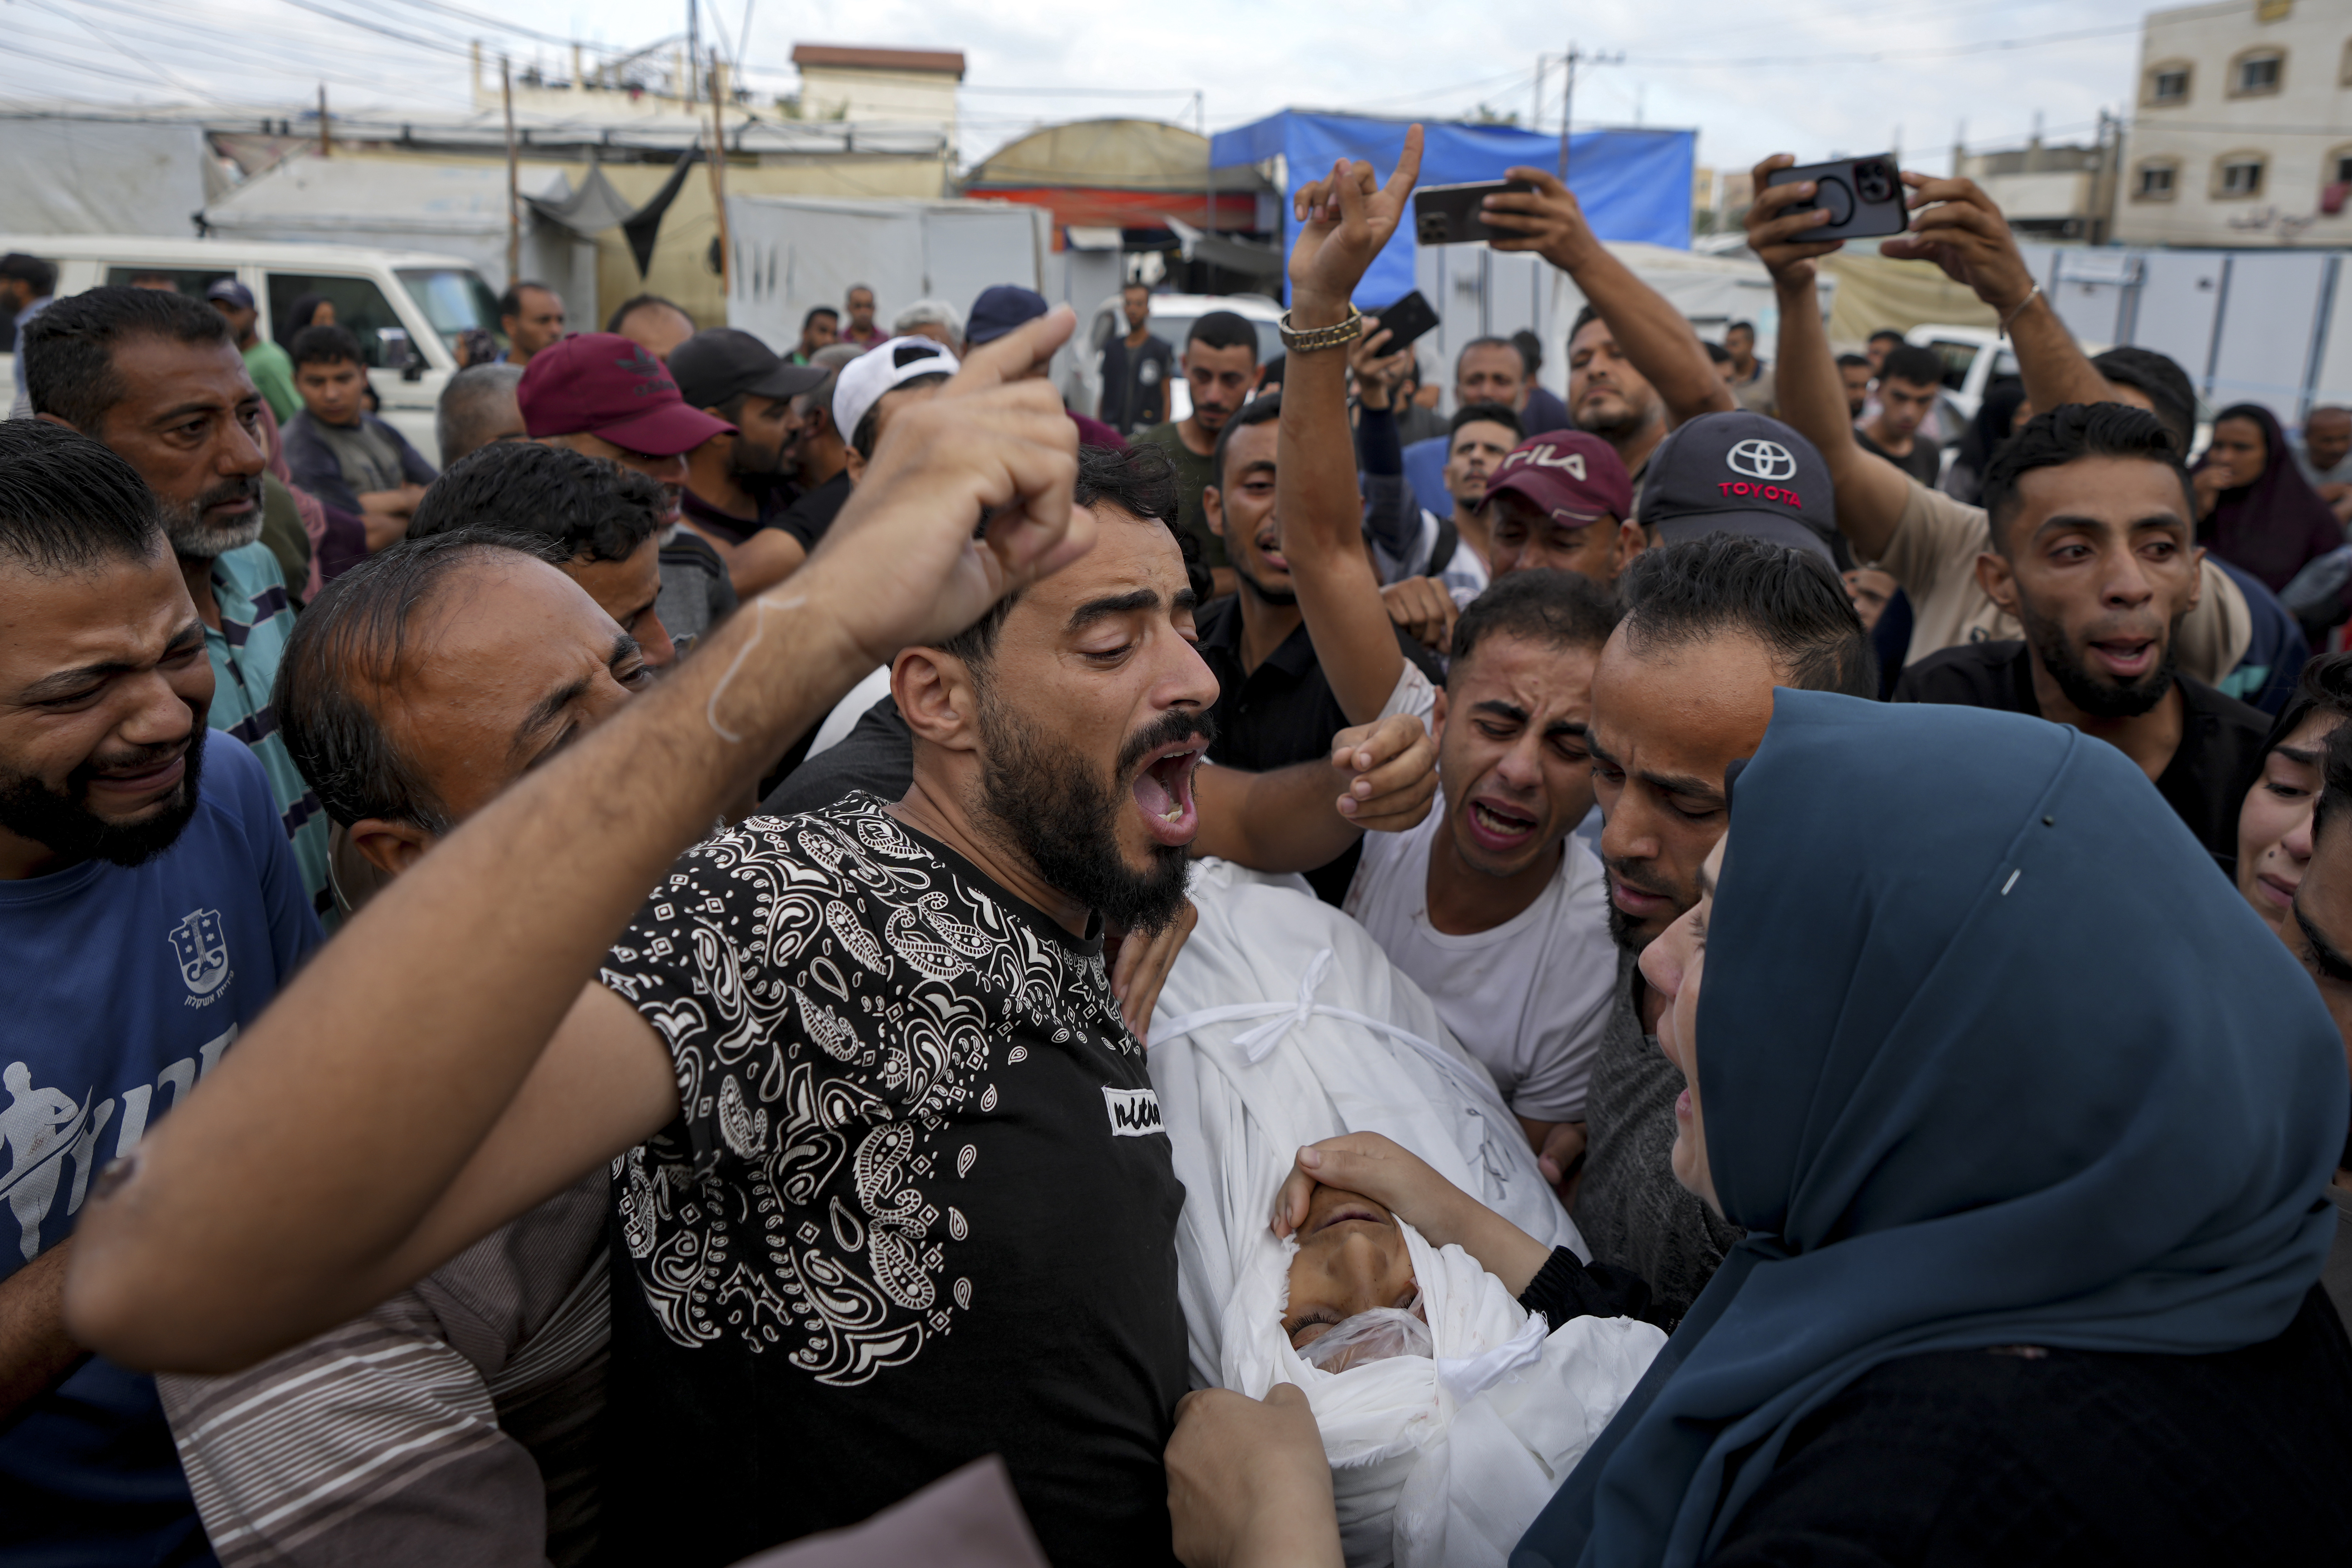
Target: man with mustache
[[151, 907], [2093, 536], [1635, 369], [1221, 373], [892, 1192], [157, 378], [602, 394], [1684, 690]]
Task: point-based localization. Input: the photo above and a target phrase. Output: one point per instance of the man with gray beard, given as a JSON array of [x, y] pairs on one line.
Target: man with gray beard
[[157, 379]]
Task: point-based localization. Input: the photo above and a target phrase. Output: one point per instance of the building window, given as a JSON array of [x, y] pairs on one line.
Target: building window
[[2257, 73], [2154, 183], [2344, 71], [2335, 182], [2238, 176], [2166, 85]]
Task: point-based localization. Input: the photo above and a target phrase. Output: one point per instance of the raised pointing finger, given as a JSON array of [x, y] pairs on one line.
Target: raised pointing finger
[[1014, 355], [1407, 173]]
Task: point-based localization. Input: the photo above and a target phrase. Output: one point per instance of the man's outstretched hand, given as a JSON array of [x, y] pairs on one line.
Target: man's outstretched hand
[[1426, 609], [908, 561], [1140, 967], [1959, 228], [1344, 219], [1548, 220], [1776, 234], [1391, 765], [1248, 1484]]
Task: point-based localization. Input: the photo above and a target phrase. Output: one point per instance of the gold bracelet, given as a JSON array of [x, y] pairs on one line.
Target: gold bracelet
[[1312, 340]]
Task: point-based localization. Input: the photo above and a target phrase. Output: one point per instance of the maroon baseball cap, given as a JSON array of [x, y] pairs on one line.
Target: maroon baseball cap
[[601, 384], [1574, 477]]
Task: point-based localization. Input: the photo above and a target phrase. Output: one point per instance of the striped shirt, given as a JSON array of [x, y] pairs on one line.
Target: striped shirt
[[255, 621], [456, 1425]]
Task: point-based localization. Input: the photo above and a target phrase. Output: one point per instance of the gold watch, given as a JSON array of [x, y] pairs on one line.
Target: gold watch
[[1309, 339]]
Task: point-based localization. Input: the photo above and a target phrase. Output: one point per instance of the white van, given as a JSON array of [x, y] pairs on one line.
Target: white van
[[405, 307], [1171, 319]]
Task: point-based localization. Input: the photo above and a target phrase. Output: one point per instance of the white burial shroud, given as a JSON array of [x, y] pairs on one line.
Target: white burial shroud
[[1281, 1024]]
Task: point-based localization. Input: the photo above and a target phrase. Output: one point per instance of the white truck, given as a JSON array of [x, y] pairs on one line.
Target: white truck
[[406, 308], [1171, 319]]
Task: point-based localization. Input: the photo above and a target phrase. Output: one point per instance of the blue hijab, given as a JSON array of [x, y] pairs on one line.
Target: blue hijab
[[1990, 1053]]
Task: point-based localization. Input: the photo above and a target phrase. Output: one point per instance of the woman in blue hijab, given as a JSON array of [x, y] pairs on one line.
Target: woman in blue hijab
[[2029, 1122]]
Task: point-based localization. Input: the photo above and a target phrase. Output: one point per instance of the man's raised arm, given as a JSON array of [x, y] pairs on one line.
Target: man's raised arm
[[1649, 329], [1344, 219], [1289, 819], [1871, 491], [1958, 227], [332, 1139]]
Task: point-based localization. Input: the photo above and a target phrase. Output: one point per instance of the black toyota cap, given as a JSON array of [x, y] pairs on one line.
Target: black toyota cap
[[724, 362], [1741, 473]]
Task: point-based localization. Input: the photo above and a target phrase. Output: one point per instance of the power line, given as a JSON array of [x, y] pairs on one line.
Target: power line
[[1937, 52], [127, 52], [496, 24], [290, 57], [1423, 95], [410, 39]]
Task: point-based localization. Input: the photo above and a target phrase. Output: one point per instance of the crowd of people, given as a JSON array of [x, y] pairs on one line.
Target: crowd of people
[[811, 956]]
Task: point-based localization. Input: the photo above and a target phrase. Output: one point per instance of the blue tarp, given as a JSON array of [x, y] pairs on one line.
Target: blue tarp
[[1633, 185]]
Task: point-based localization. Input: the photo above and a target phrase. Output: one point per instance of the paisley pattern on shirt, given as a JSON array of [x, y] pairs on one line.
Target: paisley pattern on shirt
[[833, 995]]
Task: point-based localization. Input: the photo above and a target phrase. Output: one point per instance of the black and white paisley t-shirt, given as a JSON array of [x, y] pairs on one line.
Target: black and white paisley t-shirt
[[917, 1206]]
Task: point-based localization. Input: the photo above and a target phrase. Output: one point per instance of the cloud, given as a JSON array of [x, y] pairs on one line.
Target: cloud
[[1750, 84]]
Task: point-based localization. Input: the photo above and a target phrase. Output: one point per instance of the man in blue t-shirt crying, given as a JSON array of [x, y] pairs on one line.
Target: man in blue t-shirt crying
[[149, 907]]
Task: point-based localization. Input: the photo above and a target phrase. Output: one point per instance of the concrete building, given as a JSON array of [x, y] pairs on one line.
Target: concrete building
[[879, 87], [2049, 193], [2242, 133]]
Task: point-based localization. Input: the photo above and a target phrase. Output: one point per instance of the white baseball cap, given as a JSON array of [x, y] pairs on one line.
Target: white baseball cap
[[861, 383]]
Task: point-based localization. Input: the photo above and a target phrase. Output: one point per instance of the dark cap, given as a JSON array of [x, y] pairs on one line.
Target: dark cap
[[1573, 477], [601, 384], [725, 363], [230, 289], [1740, 473], [999, 310]]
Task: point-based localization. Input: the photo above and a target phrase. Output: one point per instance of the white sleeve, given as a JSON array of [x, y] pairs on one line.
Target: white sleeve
[[1413, 695]]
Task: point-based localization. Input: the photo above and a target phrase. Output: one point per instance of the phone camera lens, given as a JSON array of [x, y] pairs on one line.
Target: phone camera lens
[[1874, 180]]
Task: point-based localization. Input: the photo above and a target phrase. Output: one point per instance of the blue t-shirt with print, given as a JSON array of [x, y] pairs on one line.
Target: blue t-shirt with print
[[123, 987]]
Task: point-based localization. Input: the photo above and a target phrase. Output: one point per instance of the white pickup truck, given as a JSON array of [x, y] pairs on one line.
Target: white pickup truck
[[406, 308]]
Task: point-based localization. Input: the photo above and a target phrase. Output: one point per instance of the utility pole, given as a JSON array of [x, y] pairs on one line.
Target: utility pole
[[1575, 57], [718, 165], [514, 177], [693, 45], [1201, 113], [326, 133]]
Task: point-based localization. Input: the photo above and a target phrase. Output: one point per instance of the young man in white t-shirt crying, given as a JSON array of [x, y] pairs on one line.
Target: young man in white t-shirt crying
[[1492, 905]]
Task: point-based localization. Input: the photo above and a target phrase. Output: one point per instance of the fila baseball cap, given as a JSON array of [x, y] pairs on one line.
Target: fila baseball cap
[[1574, 477], [601, 384], [1741, 473], [861, 383]]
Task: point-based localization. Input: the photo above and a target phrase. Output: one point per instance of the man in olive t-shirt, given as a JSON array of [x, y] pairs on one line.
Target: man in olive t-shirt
[[1221, 371], [271, 369]]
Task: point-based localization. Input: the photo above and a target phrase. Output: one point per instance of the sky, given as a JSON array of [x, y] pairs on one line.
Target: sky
[[1752, 77]]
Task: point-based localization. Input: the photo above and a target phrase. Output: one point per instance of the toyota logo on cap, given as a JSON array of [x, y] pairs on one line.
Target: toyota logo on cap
[[1762, 460]]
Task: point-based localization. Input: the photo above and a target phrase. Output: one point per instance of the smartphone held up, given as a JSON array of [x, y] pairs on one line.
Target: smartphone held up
[[1455, 214], [1863, 196]]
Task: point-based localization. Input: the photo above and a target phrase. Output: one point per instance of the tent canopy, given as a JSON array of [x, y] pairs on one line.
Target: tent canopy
[[1107, 154], [1633, 185], [77, 174]]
